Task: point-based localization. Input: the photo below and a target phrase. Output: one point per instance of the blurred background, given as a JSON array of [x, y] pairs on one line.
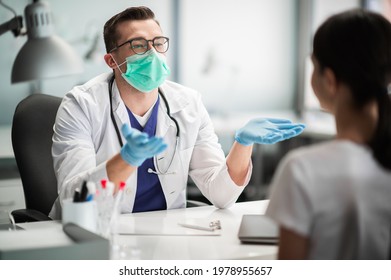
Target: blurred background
[[247, 58]]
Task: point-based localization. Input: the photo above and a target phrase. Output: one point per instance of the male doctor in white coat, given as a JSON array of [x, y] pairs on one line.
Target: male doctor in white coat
[[133, 126]]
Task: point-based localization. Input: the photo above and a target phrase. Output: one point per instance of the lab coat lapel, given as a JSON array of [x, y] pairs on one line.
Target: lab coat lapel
[[166, 129], [171, 183], [119, 109]]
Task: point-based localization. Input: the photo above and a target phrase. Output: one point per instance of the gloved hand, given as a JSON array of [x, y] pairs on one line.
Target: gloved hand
[[267, 131], [139, 146]]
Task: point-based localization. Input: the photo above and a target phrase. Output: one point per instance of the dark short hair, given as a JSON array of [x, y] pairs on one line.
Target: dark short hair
[[110, 35]]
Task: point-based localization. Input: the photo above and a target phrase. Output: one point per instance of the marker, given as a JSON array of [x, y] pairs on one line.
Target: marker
[[92, 191], [76, 195], [84, 192]]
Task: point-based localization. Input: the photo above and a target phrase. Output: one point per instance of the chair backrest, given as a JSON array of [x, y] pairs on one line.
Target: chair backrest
[[32, 131]]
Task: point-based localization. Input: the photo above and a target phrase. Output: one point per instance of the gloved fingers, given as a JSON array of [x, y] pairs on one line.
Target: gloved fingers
[[289, 133], [299, 128], [161, 148], [126, 130], [278, 121], [290, 126], [134, 136], [293, 132], [296, 129], [152, 142], [157, 149], [272, 138], [153, 145], [138, 138], [130, 133]]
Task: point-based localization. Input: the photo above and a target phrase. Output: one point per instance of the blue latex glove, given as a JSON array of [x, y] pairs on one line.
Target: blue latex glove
[[139, 146], [267, 131]]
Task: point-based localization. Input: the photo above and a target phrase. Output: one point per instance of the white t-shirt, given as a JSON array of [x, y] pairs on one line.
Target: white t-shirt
[[336, 194]]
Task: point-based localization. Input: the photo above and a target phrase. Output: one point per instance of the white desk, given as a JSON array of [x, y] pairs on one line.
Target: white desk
[[155, 247]]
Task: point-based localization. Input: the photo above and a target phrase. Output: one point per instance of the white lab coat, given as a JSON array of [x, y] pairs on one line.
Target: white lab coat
[[85, 138]]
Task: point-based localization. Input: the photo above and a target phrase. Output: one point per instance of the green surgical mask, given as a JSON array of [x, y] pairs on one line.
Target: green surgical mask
[[145, 72]]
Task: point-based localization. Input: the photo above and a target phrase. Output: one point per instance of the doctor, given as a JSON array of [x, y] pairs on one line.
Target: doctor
[[132, 125]]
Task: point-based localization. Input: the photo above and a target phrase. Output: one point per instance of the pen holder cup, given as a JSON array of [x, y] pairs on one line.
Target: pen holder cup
[[84, 214]]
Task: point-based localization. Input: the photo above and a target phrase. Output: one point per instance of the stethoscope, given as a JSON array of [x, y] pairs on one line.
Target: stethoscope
[[158, 171]]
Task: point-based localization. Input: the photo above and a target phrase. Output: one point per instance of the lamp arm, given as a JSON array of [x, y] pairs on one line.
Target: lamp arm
[[15, 25]]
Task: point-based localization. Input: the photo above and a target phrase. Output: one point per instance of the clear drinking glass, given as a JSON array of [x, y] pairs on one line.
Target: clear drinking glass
[[7, 221]]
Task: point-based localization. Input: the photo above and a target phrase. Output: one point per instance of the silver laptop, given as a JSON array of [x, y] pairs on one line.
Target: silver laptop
[[258, 229]]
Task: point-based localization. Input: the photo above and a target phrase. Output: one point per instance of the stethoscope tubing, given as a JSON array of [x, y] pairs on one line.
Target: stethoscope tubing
[[110, 88]]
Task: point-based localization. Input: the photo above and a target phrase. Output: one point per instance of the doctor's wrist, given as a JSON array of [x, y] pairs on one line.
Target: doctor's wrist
[[127, 156], [118, 169], [242, 140]]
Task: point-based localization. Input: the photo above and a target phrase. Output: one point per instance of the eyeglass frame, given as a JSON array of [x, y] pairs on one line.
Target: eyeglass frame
[[139, 38]]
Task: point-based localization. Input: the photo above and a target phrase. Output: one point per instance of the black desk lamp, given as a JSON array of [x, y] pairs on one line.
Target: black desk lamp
[[44, 55]]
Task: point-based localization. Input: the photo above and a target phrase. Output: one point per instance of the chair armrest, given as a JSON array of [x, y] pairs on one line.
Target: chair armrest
[[29, 215]]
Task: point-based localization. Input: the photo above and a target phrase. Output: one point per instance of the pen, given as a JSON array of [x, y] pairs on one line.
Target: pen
[[83, 192], [92, 191], [196, 227], [76, 196]]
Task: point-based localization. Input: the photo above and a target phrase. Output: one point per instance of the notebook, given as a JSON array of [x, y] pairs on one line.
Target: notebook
[[258, 229]]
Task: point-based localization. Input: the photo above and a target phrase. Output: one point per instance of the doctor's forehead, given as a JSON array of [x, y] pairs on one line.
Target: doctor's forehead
[[147, 29]]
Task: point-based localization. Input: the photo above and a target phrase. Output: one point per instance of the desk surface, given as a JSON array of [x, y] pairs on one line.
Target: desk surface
[[187, 247]]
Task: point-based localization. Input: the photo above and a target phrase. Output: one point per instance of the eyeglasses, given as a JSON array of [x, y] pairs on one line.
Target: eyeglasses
[[141, 45]]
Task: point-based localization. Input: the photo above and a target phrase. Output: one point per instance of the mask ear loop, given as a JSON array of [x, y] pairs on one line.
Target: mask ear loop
[[118, 65]]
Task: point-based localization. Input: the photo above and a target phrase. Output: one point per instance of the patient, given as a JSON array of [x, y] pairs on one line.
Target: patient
[[333, 200]]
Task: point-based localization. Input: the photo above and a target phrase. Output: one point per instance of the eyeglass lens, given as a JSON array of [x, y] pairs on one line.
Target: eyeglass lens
[[140, 46]]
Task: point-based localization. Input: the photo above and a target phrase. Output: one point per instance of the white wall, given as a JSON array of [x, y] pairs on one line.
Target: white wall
[[321, 11], [239, 54]]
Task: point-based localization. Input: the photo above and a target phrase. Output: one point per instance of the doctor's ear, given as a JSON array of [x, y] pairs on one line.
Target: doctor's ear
[[110, 61]]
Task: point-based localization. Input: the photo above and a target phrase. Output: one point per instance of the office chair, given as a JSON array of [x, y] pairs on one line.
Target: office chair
[[32, 131]]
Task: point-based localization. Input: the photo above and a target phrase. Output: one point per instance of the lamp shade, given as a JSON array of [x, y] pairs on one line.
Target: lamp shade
[[43, 58], [44, 55]]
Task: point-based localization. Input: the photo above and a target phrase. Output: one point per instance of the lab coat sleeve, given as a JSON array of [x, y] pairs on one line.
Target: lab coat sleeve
[[74, 155], [208, 167]]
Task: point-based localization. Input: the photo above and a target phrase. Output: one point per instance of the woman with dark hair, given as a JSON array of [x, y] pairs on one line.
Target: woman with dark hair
[[332, 200]]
